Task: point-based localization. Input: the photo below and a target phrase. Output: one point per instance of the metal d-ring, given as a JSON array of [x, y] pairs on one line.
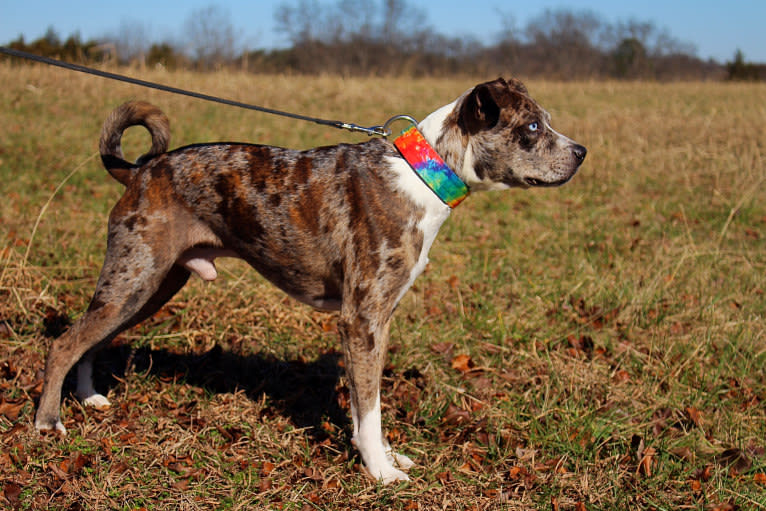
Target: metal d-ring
[[395, 118]]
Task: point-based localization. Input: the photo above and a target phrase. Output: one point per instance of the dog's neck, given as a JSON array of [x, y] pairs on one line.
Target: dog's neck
[[430, 167], [441, 130]]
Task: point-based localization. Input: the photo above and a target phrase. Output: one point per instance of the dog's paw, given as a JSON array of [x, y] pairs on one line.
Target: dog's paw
[[386, 474], [96, 401], [399, 460], [50, 427]]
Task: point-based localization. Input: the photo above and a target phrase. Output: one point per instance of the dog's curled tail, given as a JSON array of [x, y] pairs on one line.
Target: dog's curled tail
[[129, 114]]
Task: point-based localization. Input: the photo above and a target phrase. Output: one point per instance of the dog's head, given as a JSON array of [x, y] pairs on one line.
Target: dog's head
[[507, 139]]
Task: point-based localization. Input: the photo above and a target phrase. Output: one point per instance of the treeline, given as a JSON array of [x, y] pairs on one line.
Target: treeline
[[392, 37]]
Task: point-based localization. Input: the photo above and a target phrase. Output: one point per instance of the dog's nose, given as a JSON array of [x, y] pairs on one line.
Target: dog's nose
[[579, 153]]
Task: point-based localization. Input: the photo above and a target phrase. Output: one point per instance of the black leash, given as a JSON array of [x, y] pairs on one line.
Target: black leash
[[382, 131]]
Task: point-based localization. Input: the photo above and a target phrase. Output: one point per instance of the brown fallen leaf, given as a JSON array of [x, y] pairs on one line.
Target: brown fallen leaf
[[737, 461], [647, 461], [434, 310], [59, 471], [704, 474], [724, 506], [516, 473], [12, 492], [331, 484], [78, 462], [330, 325], [695, 416], [181, 485], [463, 363], [621, 376], [456, 415], [760, 478], [684, 453], [313, 473], [12, 409]]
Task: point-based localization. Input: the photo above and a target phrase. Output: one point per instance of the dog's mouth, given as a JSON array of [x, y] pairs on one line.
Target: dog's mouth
[[530, 181]]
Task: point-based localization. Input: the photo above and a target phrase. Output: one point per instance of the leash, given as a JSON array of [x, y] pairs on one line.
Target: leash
[[382, 131], [411, 144]]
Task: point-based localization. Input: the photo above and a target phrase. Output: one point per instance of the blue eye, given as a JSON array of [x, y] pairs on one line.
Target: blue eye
[[532, 126]]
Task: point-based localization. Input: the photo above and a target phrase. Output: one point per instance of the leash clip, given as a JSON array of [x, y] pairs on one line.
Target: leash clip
[[380, 131], [371, 131]]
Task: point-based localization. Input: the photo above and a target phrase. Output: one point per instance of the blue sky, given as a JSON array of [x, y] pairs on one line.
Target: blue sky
[[715, 27]]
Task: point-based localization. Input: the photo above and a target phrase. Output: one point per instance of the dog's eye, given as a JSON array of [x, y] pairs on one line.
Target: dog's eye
[[532, 126]]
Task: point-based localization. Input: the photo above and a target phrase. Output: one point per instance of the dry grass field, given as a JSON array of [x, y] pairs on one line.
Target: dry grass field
[[597, 346]]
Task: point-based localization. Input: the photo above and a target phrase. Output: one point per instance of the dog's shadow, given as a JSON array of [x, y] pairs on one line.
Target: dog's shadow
[[303, 391]]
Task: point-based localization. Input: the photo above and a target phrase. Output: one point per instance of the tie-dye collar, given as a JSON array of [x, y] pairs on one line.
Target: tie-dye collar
[[430, 167]]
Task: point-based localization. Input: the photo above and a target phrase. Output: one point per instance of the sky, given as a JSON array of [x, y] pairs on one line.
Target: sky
[[716, 28]]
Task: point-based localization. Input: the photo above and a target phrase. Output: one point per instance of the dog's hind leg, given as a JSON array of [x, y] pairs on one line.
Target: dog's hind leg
[[86, 392], [124, 296]]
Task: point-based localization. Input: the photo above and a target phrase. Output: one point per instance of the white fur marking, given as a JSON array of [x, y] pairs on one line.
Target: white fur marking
[[420, 193], [369, 440], [435, 215], [85, 390], [59, 428], [433, 125]]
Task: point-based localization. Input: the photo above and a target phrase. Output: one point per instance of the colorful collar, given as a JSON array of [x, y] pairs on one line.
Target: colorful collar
[[430, 167]]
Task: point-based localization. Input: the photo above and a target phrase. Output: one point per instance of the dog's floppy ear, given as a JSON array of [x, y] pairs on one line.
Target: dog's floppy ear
[[481, 107]]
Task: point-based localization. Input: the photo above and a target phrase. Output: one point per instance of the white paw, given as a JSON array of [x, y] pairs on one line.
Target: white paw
[[399, 460], [96, 401], [387, 474], [43, 427]]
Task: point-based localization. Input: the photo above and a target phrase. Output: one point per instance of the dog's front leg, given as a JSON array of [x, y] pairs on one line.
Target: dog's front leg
[[365, 343]]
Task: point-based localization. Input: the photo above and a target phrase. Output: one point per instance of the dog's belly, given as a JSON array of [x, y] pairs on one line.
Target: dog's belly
[[322, 292], [309, 284]]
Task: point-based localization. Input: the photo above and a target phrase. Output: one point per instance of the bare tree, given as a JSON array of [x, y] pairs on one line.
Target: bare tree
[[131, 41], [391, 22], [209, 35], [564, 43], [353, 20], [301, 22]]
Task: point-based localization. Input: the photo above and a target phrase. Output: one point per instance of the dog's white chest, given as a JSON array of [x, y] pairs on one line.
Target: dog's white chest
[[436, 212]]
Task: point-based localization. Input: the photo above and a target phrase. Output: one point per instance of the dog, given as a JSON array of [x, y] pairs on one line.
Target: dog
[[342, 228]]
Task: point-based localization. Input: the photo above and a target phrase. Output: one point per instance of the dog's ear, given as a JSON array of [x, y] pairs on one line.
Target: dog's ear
[[516, 85], [481, 107]]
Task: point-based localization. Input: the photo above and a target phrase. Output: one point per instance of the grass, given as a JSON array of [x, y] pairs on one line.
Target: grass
[[600, 345]]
